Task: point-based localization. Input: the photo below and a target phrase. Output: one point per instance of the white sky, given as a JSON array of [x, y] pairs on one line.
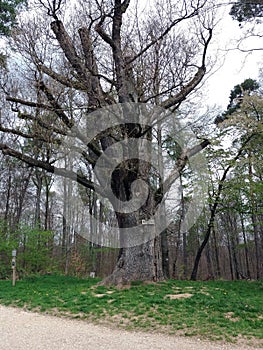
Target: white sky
[[233, 67], [237, 66]]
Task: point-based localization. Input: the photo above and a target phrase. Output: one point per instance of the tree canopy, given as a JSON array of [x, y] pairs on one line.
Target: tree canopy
[[236, 97], [246, 10], [8, 13]]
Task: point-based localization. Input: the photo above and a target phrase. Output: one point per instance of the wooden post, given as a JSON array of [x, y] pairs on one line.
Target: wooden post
[[14, 267]]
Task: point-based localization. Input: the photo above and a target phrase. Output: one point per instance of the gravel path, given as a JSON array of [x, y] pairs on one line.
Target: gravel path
[[21, 330]]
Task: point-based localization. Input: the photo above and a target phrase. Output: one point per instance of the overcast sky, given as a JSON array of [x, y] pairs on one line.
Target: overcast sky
[[236, 65]]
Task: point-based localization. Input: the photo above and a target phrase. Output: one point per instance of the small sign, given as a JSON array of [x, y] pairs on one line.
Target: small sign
[[13, 263], [14, 253], [148, 222]]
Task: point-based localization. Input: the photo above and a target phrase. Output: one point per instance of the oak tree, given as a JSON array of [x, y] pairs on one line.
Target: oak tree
[[132, 64]]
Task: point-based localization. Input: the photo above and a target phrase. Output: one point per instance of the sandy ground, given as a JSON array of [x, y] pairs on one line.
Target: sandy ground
[[22, 330]]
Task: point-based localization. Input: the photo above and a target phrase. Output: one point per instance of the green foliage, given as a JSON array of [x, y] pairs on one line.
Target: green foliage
[[236, 97], [34, 251], [3, 59], [246, 10], [239, 90], [8, 12], [35, 255], [8, 242], [244, 118], [174, 150], [215, 310]]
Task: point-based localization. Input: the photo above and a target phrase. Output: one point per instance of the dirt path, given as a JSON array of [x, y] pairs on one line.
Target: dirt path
[[21, 330]]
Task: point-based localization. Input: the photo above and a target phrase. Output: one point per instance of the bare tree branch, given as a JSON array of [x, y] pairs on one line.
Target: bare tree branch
[[41, 123], [70, 52], [30, 136], [91, 64], [67, 122], [61, 79], [179, 166], [125, 5], [166, 31], [52, 7], [187, 89], [29, 103], [99, 29], [6, 150], [56, 106]]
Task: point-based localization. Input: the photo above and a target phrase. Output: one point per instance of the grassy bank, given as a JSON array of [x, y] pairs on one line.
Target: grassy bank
[[215, 310]]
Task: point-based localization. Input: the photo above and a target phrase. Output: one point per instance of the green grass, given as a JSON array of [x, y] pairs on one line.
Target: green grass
[[218, 310]]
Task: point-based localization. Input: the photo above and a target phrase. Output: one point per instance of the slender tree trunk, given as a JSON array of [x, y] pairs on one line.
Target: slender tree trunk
[[65, 237], [234, 243], [8, 196], [217, 262], [204, 243], [234, 255], [47, 203], [21, 197], [38, 184], [164, 234], [64, 218], [259, 257], [209, 262], [213, 210], [183, 234], [246, 247], [230, 256], [257, 247]]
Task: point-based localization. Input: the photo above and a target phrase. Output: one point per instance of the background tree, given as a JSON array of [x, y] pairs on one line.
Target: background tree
[[249, 14], [242, 120], [246, 10], [8, 13], [236, 97]]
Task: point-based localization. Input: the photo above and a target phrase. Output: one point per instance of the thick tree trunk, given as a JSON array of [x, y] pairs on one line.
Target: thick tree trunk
[[142, 262], [139, 263]]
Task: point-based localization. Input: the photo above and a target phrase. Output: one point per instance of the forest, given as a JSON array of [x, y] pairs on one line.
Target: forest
[[111, 162]]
